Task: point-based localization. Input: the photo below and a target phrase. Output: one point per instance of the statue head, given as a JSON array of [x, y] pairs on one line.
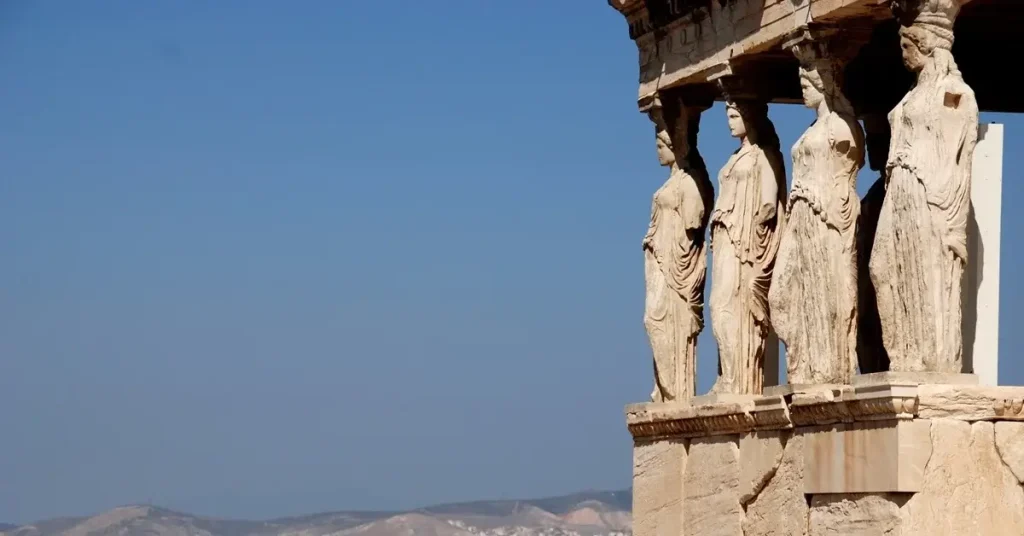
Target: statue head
[[819, 76], [749, 119], [737, 124], [673, 136], [812, 87], [927, 32], [666, 156], [822, 55]]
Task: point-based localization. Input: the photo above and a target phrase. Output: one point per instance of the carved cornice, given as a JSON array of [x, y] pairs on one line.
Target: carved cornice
[[825, 405], [1010, 409], [647, 16], [885, 402], [771, 413], [819, 408], [651, 421]]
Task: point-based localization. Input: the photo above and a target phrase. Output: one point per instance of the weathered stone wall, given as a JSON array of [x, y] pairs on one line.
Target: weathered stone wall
[[694, 40], [958, 472]]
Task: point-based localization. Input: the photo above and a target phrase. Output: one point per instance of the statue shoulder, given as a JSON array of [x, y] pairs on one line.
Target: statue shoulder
[[957, 95], [843, 132]]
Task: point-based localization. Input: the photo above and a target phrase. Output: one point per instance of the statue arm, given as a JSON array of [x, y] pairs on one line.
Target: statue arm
[[846, 154], [769, 187], [951, 193], [691, 207], [652, 227]]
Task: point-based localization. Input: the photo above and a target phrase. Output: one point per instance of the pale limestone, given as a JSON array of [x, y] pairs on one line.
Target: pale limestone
[[760, 456], [1010, 444], [969, 403], [813, 293], [711, 488], [885, 401], [702, 43], [719, 398], [914, 378], [748, 217], [856, 515], [771, 413], [788, 389], [780, 509], [653, 412], [683, 420], [968, 491], [961, 477], [920, 248], [675, 256], [658, 488], [882, 456]]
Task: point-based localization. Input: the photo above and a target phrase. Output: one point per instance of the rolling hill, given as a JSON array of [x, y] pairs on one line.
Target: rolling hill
[[580, 514]]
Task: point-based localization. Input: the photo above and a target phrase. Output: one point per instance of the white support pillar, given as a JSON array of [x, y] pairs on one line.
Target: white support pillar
[[981, 282]]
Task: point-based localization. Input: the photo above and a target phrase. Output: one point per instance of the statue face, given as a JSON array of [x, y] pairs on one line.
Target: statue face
[[737, 127], [811, 95], [665, 155], [913, 58]]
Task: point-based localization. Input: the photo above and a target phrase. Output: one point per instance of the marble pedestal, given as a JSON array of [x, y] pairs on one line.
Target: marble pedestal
[[883, 458]]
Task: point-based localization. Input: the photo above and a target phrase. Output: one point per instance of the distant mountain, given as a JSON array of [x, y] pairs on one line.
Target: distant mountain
[[6, 526], [580, 514]]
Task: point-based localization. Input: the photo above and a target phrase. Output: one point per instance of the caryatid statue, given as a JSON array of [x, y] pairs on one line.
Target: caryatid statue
[[746, 225], [920, 248], [674, 253], [813, 296]]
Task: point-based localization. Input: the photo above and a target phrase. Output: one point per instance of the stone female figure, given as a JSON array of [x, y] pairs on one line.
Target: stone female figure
[[813, 296], [920, 248], [674, 257], [745, 229]]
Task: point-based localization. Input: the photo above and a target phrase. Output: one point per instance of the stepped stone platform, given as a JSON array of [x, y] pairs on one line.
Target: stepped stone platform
[[882, 457]]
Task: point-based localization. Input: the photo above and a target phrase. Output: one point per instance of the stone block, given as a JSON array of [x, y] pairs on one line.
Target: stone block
[[1010, 444], [914, 378], [711, 488], [771, 413], [658, 468], [720, 398], [681, 419], [969, 403], [788, 389], [780, 509], [886, 401], [760, 456], [867, 457], [856, 515], [967, 491]]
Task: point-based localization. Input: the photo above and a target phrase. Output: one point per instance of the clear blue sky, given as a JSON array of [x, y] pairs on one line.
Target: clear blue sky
[[264, 258]]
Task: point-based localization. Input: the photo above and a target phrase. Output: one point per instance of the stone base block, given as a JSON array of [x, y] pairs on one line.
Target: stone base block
[[866, 457], [716, 398], [915, 378], [875, 459], [788, 389]]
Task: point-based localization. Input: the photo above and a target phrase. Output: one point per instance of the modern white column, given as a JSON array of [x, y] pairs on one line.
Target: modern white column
[[981, 285]]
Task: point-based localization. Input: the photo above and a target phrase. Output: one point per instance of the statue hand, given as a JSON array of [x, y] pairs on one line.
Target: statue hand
[[765, 213]]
